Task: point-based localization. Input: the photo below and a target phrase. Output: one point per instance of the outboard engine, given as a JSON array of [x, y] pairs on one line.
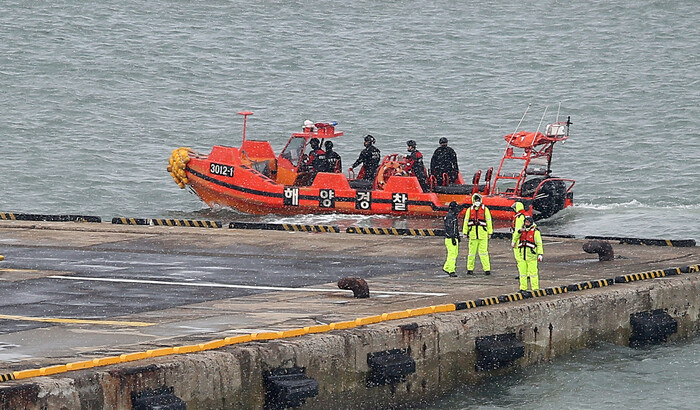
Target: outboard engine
[[550, 199]]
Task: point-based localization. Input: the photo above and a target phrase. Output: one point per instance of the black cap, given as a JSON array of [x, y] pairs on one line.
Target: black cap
[[529, 219], [411, 143], [314, 142], [328, 144], [369, 138], [443, 140]]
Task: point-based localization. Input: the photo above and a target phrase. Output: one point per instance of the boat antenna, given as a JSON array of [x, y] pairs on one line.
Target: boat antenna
[[518, 126], [558, 109], [541, 119], [523, 117], [245, 115]]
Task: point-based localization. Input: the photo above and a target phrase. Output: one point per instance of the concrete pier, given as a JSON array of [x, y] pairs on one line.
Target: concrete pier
[[93, 312]]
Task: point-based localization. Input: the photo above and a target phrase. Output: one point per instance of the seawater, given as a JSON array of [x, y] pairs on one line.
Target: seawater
[[95, 95], [607, 376]]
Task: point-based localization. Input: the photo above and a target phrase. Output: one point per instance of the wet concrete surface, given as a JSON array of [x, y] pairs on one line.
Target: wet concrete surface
[[169, 286]]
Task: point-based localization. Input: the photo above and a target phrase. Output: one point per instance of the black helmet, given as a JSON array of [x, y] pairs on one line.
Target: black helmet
[[328, 144], [411, 143], [315, 143], [369, 138], [453, 205], [529, 219], [443, 140]]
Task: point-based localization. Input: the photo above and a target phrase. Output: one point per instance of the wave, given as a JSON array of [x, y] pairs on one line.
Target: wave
[[634, 204], [325, 218]]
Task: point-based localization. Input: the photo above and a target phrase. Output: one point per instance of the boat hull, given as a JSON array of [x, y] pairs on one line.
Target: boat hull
[[250, 192]]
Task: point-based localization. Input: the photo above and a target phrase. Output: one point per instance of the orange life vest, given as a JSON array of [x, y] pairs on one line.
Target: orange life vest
[[527, 239], [477, 218]]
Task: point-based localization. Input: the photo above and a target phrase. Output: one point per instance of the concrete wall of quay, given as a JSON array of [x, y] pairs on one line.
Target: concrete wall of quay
[[442, 345]]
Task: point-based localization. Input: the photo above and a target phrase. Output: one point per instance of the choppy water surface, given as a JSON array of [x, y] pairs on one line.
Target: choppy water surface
[[602, 378], [95, 95]]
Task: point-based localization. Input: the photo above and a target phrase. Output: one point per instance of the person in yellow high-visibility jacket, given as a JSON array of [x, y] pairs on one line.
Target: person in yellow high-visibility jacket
[[479, 228], [517, 224], [527, 243]]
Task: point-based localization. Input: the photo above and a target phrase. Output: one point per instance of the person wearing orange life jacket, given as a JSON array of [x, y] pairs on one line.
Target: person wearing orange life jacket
[[478, 226], [527, 243], [517, 224]]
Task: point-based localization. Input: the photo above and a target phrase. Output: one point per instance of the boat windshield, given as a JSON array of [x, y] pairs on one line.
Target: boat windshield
[[293, 150]]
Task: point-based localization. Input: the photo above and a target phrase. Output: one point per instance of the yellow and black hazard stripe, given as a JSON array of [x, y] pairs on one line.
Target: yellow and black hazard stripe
[[632, 277], [6, 377], [579, 286], [395, 231], [539, 293], [640, 276], [511, 297], [554, 290], [589, 285], [487, 301], [11, 216], [685, 243], [602, 282], [186, 222], [285, 227], [470, 304], [310, 228], [684, 269], [557, 290], [131, 221], [643, 241]]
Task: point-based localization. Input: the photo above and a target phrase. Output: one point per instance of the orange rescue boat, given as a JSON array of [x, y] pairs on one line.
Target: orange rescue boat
[[254, 180]]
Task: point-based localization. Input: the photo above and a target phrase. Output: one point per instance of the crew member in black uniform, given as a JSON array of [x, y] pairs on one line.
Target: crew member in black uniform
[[444, 161], [333, 162], [414, 165], [369, 157]]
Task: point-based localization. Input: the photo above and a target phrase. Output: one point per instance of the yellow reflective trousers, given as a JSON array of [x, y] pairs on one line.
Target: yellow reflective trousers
[[482, 247], [527, 267], [452, 252]]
